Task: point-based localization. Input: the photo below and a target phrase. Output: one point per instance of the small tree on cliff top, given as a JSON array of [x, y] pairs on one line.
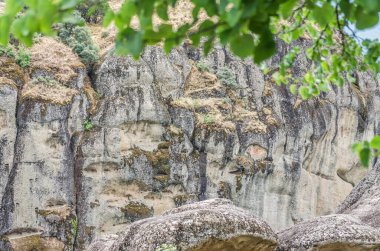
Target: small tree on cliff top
[[248, 27]]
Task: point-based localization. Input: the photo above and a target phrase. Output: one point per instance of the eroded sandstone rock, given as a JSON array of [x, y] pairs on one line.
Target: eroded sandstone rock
[[332, 232], [162, 132], [209, 225]]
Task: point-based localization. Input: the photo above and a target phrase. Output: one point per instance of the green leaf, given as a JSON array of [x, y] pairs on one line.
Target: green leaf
[[132, 41], [365, 156], [69, 4], [168, 45], [309, 78], [265, 48], [108, 18], [286, 8], [323, 15], [365, 20], [304, 92], [5, 26], [242, 46], [370, 5], [127, 11], [207, 27], [233, 16], [314, 90], [375, 142], [357, 147], [293, 89], [207, 46], [162, 12], [346, 7]]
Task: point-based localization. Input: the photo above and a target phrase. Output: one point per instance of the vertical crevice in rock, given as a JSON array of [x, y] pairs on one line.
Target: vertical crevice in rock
[[202, 175], [78, 207], [7, 205]]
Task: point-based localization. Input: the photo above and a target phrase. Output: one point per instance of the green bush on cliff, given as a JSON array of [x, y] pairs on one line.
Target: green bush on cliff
[[20, 55], [203, 65], [78, 38], [23, 57], [226, 76], [7, 51]]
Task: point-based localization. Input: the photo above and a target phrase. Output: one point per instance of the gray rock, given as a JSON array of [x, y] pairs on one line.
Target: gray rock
[[209, 225], [364, 200], [332, 232], [165, 134]]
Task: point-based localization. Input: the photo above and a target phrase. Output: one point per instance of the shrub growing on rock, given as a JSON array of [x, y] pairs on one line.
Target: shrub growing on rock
[[20, 55], [7, 51], [226, 76], [78, 38], [23, 57]]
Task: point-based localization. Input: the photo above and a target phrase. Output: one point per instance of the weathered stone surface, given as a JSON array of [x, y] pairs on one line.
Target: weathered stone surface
[[209, 225], [163, 133], [37, 187], [364, 200], [8, 131], [332, 232]]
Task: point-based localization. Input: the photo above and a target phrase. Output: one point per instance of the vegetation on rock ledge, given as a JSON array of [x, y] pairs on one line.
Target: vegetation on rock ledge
[[248, 27]]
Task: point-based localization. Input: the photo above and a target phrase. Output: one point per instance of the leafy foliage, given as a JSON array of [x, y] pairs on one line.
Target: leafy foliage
[[93, 11], [20, 55], [203, 66], [367, 149], [23, 57], [7, 51], [48, 81], [79, 39], [87, 125], [24, 18]]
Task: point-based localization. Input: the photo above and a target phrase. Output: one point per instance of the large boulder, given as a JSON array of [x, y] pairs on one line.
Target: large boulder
[[332, 232], [209, 225], [364, 200]]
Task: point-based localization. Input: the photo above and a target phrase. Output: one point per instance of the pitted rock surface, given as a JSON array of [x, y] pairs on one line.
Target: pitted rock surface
[[210, 225], [332, 232], [137, 138]]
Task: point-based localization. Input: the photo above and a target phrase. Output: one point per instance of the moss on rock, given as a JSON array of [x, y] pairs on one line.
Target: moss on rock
[[134, 211]]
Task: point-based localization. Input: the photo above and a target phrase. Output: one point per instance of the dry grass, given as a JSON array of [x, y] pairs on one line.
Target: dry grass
[[222, 112], [61, 211], [9, 69], [249, 118], [92, 96], [217, 115], [202, 81], [179, 15], [56, 58], [104, 38], [56, 94], [8, 82]]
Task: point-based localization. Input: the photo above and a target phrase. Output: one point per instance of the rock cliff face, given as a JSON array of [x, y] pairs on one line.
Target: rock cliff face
[[82, 156]]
